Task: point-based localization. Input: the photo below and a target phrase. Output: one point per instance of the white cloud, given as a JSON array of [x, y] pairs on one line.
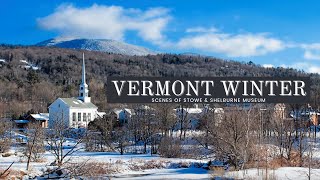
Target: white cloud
[[315, 46], [311, 55], [267, 65], [109, 22], [306, 66], [311, 51], [239, 45], [201, 30]]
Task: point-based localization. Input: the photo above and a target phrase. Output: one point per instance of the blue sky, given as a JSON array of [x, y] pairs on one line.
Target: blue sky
[[266, 32]]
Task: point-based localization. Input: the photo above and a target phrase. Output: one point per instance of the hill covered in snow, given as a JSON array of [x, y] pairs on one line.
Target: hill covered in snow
[[103, 45]]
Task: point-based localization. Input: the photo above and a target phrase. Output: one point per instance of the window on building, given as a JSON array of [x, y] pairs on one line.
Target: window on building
[[79, 116], [74, 118], [81, 94], [89, 116], [84, 117]]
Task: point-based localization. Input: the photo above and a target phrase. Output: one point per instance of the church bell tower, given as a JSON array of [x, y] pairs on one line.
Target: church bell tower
[[84, 91]]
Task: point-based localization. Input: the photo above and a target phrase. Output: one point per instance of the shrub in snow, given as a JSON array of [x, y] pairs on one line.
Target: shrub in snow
[[5, 145], [170, 147], [143, 165], [93, 169], [6, 154]]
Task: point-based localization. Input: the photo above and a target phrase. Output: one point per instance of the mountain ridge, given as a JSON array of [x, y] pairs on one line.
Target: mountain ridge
[[102, 45]]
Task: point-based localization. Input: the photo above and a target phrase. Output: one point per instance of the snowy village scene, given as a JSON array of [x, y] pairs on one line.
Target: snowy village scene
[[61, 117]]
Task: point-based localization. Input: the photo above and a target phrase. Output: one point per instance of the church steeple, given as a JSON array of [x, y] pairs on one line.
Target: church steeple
[[84, 91], [83, 70]]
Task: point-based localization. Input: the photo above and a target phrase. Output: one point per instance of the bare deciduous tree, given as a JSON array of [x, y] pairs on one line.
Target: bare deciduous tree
[[166, 117], [5, 141], [233, 139], [101, 132], [57, 138], [120, 137], [35, 143]]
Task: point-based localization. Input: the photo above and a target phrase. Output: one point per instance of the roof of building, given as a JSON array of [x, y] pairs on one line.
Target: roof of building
[[101, 114], [74, 102], [191, 110], [21, 121], [40, 116], [118, 110]]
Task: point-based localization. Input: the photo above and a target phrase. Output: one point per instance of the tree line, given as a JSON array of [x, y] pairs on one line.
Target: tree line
[[59, 75]]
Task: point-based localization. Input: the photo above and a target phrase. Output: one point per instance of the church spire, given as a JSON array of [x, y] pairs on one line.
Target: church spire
[[83, 70], [84, 91]]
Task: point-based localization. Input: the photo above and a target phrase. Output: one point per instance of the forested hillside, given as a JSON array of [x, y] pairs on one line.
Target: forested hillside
[[59, 74]]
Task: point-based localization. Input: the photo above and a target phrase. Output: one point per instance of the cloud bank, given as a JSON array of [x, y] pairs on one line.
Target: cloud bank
[[306, 66], [312, 51], [240, 45], [151, 25], [106, 22]]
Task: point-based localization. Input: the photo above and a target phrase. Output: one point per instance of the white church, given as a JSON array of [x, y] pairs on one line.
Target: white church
[[74, 112]]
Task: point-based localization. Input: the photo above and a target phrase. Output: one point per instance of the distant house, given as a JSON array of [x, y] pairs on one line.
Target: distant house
[[41, 118], [193, 115], [26, 65], [21, 123], [123, 115], [189, 115]]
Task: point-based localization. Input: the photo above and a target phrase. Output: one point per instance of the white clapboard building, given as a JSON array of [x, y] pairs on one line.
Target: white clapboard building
[[74, 112]]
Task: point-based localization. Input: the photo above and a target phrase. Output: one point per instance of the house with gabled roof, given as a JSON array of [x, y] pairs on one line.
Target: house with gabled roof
[[41, 118]]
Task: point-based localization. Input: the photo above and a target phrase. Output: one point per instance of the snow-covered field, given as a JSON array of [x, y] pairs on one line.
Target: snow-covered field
[[144, 166], [294, 173], [181, 173], [170, 168], [129, 166]]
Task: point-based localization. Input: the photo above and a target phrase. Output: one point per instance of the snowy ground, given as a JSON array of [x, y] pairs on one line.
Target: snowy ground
[[129, 166], [284, 173], [181, 173], [145, 166], [161, 173]]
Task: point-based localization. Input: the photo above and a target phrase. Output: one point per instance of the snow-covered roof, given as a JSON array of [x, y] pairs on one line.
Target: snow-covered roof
[[118, 110], [305, 114], [191, 110], [146, 107], [2, 60], [21, 121], [199, 110], [194, 110], [28, 65], [101, 114], [40, 116], [74, 102], [24, 61], [217, 110], [31, 67]]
